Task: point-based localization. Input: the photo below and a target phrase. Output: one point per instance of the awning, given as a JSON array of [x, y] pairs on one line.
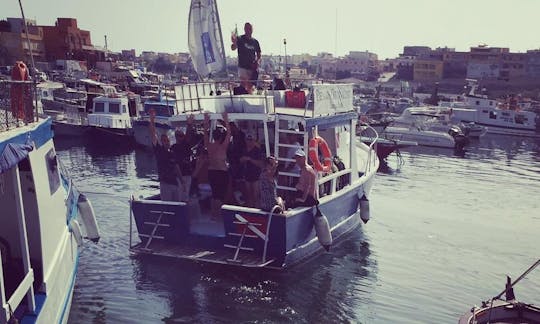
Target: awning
[[12, 154]]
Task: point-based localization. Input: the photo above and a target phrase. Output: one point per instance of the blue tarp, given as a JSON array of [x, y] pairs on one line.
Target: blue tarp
[[12, 154]]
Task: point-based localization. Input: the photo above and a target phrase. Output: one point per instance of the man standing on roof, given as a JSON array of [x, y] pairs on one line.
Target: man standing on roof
[[249, 56]]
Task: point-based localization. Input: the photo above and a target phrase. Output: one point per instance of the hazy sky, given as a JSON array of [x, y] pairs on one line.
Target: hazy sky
[[379, 26]]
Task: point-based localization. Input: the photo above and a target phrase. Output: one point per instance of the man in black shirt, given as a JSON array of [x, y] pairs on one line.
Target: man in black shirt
[[181, 151], [166, 165], [249, 56]]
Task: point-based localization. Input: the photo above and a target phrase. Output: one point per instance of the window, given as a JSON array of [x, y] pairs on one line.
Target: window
[[99, 107], [124, 110], [492, 115], [114, 108]]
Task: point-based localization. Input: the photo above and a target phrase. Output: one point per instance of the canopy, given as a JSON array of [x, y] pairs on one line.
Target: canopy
[[12, 154]]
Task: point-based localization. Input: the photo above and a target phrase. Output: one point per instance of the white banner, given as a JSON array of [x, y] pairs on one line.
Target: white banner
[[329, 99], [204, 38]]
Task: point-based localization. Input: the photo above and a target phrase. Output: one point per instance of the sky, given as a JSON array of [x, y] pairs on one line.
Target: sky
[[382, 27]]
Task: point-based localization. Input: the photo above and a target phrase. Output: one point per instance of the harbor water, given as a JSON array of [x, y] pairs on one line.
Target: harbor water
[[445, 229]]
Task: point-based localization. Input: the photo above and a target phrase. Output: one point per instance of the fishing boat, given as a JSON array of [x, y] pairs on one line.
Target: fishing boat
[[509, 310], [251, 237], [44, 216]]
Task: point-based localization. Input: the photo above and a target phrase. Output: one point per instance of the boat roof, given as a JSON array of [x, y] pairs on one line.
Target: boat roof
[[320, 104]]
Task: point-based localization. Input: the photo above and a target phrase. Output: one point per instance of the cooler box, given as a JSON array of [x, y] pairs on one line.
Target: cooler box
[[295, 99]]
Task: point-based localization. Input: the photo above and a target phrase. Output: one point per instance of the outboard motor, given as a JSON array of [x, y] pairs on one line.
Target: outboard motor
[[460, 139]]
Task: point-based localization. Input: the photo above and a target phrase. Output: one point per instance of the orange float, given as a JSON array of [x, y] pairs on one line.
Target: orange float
[[315, 144]]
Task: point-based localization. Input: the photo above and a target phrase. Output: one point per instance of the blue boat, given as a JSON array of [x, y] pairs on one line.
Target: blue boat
[[250, 237]]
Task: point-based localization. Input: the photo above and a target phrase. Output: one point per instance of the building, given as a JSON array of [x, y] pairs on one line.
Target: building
[[513, 65], [428, 69], [532, 66], [65, 41], [485, 62], [14, 43]]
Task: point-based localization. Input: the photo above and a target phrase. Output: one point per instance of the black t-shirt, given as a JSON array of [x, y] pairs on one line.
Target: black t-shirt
[[251, 170], [182, 156], [165, 164], [247, 47]]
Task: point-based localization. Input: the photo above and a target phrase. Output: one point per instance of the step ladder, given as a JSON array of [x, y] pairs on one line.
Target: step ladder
[[283, 125], [156, 225], [247, 225]]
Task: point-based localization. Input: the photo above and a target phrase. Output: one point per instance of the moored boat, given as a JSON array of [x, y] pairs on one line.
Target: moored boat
[[43, 223], [509, 310]]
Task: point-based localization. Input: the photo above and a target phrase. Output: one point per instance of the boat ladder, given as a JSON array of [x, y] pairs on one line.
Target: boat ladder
[[282, 148], [156, 225], [255, 228]]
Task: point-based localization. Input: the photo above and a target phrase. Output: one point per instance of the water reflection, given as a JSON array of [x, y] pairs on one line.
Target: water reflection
[[326, 288]]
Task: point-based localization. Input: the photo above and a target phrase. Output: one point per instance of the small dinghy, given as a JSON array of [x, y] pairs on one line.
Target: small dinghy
[[509, 310]]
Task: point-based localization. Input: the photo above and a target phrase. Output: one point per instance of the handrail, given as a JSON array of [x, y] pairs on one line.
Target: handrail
[[27, 92], [16, 298], [371, 147], [268, 232]]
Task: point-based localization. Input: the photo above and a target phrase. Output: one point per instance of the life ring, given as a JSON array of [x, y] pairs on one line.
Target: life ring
[[315, 144]]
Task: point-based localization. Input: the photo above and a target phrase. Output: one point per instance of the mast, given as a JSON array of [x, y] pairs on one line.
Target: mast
[[33, 69], [224, 68]]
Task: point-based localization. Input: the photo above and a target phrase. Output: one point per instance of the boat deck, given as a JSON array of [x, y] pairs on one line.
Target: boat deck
[[209, 255]]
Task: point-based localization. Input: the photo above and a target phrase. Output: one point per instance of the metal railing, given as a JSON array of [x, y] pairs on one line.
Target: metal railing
[[18, 104]]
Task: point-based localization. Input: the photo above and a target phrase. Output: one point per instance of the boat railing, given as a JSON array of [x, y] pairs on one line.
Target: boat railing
[[311, 98], [372, 156], [18, 104]]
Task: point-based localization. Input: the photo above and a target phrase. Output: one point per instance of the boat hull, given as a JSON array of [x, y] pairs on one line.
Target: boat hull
[[291, 236]]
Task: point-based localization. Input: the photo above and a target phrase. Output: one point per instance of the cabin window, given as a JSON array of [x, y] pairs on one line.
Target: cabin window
[[52, 170], [114, 108], [520, 119], [99, 107], [492, 115], [505, 114], [124, 109], [478, 102], [491, 103]]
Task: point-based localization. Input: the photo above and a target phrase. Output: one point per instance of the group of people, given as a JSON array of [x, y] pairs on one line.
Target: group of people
[[233, 162]]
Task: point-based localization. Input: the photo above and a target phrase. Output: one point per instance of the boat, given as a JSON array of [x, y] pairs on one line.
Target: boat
[[164, 107], [44, 216], [506, 119], [384, 147], [250, 237], [438, 118], [509, 310], [69, 106], [111, 116]]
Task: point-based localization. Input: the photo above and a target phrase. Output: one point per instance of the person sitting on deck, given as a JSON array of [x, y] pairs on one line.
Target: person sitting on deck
[[167, 169], [218, 175], [306, 188], [268, 186]]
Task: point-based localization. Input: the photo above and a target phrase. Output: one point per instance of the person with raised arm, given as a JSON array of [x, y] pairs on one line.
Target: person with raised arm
[[218, 175], [249, 56], [166, 166]]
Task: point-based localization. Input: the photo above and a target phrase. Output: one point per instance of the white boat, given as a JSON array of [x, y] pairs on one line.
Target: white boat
[[436, 118], [420, 136], [509, 310], [251, 237], [44, 217], [111, 117], [499, 119]]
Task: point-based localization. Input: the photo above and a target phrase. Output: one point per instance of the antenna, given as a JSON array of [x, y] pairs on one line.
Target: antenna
[[286, 70]]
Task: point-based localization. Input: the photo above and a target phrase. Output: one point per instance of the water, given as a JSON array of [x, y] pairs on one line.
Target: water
[[445, 230]]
